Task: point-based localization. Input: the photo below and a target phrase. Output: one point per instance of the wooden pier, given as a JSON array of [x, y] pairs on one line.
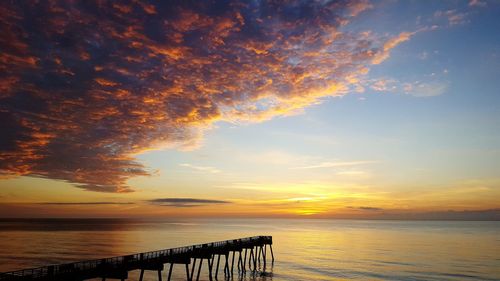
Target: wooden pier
[[248, 253]]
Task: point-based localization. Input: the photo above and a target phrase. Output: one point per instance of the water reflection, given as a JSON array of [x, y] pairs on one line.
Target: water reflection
[[304, 249], [179, 273]]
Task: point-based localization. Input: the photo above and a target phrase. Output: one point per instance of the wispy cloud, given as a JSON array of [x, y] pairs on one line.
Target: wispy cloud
[[336, 164], [384, 85], [352, 173], [365, 208], [426, 89], [431, 85], [453, 17], [274, 157], [476, 215], [206, 169], [307, 199], [84, 203], [477, 3], [389, 45], [185, 202]]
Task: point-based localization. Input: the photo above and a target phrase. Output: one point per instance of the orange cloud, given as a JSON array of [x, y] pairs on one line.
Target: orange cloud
[[389, 45], [85, 87]]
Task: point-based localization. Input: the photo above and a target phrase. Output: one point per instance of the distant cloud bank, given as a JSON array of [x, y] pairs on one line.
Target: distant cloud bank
[[84, 203], [394, 214], [185, 202]]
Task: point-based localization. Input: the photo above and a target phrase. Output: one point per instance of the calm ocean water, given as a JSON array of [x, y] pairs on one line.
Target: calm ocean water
[[304, 249]]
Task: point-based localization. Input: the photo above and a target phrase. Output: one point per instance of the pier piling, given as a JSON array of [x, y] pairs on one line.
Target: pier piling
[[119, 267]]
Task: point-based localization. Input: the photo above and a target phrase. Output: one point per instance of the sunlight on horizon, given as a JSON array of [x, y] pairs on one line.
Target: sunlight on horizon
[[312, 109]]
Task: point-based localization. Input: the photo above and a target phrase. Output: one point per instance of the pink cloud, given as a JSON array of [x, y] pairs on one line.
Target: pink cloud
[[87, 86]]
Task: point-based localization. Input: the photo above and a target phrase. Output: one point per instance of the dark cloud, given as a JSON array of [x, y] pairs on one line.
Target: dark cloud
[[473, 215], [86, 85], [364, 208], [185, 202], [395, 214], [84, 203]]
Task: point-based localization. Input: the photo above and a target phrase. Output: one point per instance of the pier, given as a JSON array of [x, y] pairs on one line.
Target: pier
[[237, 255]]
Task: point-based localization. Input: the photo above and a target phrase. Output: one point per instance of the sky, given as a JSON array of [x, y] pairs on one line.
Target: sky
[[317, 109]]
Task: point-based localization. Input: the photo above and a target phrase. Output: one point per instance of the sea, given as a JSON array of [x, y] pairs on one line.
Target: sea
[[304, 249]]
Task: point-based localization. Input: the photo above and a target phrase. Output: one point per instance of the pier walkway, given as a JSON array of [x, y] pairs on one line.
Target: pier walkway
[[249, 253]]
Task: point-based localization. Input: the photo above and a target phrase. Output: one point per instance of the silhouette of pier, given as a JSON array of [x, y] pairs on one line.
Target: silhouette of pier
[[250, 253]]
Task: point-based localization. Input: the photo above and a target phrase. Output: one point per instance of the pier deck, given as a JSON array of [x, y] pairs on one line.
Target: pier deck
[[249, 252]]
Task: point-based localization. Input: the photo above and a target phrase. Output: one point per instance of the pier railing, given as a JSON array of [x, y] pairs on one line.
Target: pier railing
[[153, 260]]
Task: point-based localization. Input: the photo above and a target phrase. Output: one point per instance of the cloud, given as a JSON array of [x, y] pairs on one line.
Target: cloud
[[453, 17], [352, 173], [207, 169], [435, 85], [86, 86], [389, 45], [473, 215], [185, 202], [336, 164], [384, 85], [477, 3], [84, 203], [426, 89], [356, 7], [365, 208]]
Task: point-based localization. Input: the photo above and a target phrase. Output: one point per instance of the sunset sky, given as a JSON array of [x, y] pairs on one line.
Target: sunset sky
[[322, 109]]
